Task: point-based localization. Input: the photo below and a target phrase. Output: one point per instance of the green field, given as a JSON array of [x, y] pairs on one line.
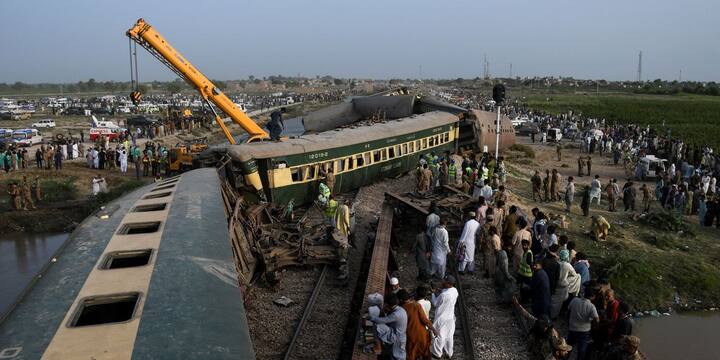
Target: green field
[[693, 118]]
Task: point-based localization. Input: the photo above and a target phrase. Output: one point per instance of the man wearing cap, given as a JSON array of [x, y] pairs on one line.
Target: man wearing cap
[[466, 244], [394, 285], [444, 323], [391, 329], [560, 349]]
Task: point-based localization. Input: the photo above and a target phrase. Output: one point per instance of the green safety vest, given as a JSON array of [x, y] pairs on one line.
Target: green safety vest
[[525, 269], [324, 190], [330, 208], [451, 170], [468, 170]]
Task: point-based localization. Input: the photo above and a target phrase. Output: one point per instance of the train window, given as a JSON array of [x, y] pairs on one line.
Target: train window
[[339, 165], [437, 140], [312, 172], [404, 149], [368, 159], [431, 142], [446, 137], [360, 160], [376, 156], [417, 145], [351, 163], [296, 174], [391, 152], [424, 144], [383, 154]]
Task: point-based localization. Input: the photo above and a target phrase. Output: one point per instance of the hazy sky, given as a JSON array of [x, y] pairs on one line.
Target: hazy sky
[[72, 40]]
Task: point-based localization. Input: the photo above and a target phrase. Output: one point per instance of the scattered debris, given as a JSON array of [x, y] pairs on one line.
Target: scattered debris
[[283, 301]]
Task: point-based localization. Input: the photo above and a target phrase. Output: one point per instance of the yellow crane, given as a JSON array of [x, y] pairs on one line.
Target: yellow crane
[[146, 36]]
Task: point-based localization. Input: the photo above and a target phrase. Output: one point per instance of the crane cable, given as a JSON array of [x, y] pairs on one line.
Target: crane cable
[[135, 94]]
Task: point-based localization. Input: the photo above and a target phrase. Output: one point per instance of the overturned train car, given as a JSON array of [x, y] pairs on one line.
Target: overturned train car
[[290, 171]]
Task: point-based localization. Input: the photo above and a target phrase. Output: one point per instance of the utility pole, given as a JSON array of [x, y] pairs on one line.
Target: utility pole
[[639, 69], [680, 79], [510, 70], [420, 73]]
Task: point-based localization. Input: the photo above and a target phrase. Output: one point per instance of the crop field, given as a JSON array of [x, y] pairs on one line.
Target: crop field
[[694, 118]]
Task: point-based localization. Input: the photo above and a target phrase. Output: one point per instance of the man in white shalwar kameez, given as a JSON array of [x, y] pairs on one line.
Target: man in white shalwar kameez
[[466, 244], [123, 160], [444, 322], [96, 159], [440, 250]]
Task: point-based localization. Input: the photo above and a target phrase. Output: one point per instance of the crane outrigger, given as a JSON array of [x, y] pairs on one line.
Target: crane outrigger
[[146, 36]]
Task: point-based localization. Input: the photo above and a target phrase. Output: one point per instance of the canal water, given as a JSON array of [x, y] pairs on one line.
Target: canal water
[[22, 256], [691, 335]]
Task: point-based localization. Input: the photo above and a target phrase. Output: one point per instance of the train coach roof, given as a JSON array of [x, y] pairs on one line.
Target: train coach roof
[[341, 137]]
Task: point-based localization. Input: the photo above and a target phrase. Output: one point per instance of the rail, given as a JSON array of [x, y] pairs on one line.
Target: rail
[[309, 307], [468, 348]]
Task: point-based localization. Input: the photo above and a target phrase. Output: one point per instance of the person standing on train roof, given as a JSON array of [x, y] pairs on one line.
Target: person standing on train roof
[[276, 124]]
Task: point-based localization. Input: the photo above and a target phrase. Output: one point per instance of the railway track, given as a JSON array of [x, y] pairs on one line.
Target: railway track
[[463, 331], [309, 308]]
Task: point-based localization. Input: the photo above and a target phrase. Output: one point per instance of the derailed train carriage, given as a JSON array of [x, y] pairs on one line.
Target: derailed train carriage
[[290, 170]]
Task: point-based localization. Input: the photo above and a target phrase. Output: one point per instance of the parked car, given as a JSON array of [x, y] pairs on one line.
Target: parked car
[[27, 137], [6, 136], [44, 123], [74, 111], [141, 120]]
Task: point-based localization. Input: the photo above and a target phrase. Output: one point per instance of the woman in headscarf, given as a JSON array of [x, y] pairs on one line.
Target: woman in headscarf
[[568, 285]]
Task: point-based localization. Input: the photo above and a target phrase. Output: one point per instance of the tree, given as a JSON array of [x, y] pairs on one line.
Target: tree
[[173, 87], [338, 82]]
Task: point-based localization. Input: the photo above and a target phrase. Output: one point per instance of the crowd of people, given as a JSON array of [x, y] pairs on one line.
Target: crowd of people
[[526, 255]]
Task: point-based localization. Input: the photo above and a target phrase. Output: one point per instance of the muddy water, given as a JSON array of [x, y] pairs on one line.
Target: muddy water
[[680, 336], [22, 256]]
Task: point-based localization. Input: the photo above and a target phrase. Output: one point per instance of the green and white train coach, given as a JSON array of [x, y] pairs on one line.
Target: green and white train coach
[[291, 170]]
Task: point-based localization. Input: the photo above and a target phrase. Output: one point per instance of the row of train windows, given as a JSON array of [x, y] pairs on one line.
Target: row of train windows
[[311, 172]]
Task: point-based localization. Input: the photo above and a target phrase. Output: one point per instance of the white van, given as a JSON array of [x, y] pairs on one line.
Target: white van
[[27, 137]]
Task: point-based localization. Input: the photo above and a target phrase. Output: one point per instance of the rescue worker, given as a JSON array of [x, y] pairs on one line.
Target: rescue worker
[[452, 173], [14, 193], [342, 218], [536, 184], [554, 183], [324, 194], [27, 194], [330, 210]]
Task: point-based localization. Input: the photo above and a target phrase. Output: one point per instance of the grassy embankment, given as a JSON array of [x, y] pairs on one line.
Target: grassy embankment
[[690, 117], [65, 202], [648, 261]]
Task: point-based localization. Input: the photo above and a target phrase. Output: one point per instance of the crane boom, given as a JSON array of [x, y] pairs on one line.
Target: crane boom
[[147, 37]]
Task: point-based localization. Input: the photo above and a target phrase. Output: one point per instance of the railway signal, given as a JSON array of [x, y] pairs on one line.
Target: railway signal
[[499, 97]]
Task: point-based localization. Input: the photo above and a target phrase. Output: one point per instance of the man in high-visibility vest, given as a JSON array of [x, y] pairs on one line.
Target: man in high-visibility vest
[[330, 210], [452, 172], [525, 273]]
